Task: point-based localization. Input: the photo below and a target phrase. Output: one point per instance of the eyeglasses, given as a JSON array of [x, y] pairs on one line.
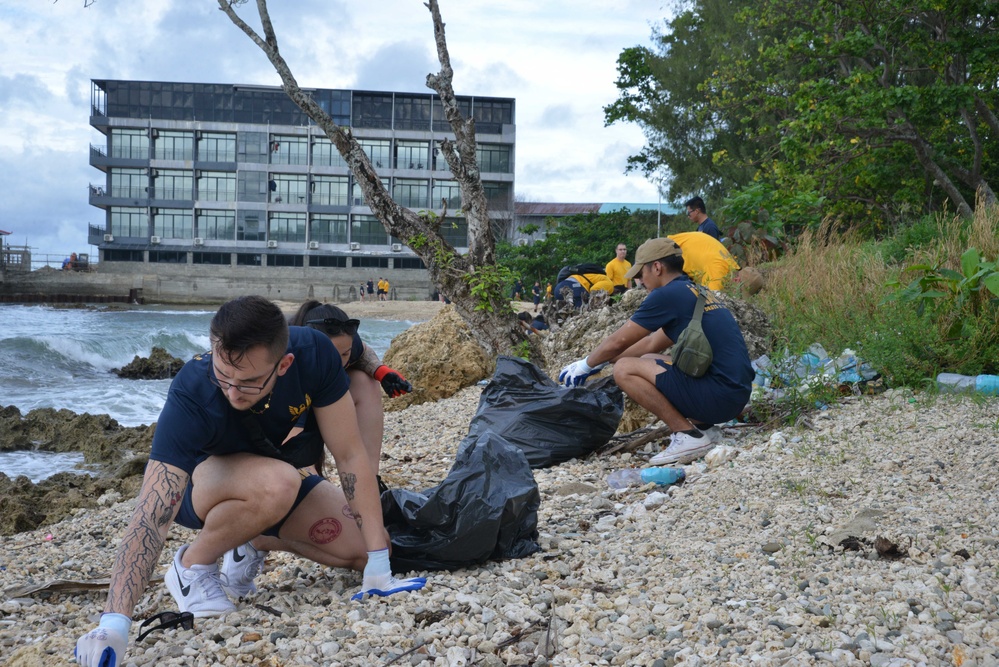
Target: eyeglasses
[[690, 211], [167, 619], [241, 388], [335, 327]]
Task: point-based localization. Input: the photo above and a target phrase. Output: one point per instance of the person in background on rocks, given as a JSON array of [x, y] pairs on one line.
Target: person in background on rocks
[[383, 289], [689, 406], [368, 375], [518, 290], [705, 259], [220, 464], [371, 288], [539, 324], [548, 293], [699, 215], [582, 284], [618, 267], [360, 292], [536, 295]]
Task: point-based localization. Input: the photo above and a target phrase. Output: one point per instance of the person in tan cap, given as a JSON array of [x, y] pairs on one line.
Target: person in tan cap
[[689, 406]]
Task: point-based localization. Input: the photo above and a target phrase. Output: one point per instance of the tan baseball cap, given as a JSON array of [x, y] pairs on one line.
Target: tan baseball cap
[[650, 251]]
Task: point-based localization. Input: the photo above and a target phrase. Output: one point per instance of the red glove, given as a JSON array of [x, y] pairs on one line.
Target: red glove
[[392, 381]]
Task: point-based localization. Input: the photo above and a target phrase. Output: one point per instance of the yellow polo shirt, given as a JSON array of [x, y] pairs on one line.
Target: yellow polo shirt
[[615, 270], [705, 259]]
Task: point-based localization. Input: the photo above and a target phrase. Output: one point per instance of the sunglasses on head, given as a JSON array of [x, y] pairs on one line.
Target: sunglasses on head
[[167, 620], [335, 327]]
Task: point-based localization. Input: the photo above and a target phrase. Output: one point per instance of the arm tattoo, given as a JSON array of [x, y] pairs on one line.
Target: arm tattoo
[[368, 362], [348, 481], [142, 543]]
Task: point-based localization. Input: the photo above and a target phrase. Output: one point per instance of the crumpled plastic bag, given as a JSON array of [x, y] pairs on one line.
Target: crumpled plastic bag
[[485, 509], [549, 422]]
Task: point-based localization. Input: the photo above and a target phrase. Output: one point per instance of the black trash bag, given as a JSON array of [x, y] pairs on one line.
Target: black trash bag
[[549, 422], [486, 509]]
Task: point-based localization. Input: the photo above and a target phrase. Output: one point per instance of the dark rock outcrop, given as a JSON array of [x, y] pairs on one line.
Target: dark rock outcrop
[[159, 365]]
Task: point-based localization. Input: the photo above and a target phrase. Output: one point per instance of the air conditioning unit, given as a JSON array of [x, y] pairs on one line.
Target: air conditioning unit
[[355, 246], [522, 242], [313, 245], [199, 241], [154, 240], [396, 247], [272, 244], [108, 238]]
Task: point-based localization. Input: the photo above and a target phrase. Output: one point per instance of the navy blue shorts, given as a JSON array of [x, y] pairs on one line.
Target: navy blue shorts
[[704, 399], [188, 518]]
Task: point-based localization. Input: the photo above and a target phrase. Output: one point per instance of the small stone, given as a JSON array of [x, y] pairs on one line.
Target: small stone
[[771, 548]]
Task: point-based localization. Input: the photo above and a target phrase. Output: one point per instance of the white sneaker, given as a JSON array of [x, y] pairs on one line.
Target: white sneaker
[[239, 567], [714, 434], [683, 449], [197, 589]]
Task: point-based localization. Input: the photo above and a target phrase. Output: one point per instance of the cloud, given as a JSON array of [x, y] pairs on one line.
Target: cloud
[[557, 116], [22, 90], [397, 66]]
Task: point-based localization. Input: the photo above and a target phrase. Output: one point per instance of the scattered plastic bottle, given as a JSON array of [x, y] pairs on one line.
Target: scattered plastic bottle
[[622, 479], [983, 384]]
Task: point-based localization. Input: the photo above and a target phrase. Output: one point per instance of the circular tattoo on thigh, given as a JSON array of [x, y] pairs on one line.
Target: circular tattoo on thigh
[[325, 531]]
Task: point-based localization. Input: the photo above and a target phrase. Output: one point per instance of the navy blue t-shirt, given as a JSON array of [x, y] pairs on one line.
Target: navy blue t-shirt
[[671, 308], [710, 228], [197, 419]]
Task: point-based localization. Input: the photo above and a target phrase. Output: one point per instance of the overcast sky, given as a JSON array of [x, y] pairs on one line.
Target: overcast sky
[[557, 58]]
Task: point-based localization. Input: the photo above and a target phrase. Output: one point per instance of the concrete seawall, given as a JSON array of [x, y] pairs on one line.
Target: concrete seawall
[[186, 284]]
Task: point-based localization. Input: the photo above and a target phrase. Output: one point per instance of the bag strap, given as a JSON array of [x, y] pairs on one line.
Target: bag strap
[[699, 308]]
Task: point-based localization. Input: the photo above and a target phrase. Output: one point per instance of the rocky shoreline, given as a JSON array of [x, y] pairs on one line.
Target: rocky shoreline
[[733, 567]]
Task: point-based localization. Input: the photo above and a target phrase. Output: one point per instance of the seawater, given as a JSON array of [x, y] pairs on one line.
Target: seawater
[[63, 358]]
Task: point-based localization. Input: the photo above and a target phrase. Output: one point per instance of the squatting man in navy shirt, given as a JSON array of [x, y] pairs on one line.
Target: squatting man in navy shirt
[[689, 406], [222, 464]]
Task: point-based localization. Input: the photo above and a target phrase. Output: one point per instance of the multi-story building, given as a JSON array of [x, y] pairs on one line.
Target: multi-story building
[[238, 176]]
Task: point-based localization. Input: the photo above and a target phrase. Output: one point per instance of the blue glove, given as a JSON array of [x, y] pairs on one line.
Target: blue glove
[[378, 579], [576, 373], [104, 646]]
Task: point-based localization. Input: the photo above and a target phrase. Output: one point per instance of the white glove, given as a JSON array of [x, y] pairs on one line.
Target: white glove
[[104, 646], [378, 579], [576, 373]]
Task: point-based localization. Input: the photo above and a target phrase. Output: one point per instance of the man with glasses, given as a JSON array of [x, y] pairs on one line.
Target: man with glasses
[[689, 406], [699, 216], [222, 464]]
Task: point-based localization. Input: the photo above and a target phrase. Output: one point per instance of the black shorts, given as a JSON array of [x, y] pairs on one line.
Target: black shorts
[[188, 518], [703, 399]]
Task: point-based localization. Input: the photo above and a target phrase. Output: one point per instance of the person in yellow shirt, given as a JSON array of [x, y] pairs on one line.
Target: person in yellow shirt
[[383, 289], [581, 283], [705, 259], [617, 267]]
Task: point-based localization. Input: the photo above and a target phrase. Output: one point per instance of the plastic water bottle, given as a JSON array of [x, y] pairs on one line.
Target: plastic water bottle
[[983, 384], [622, 479]]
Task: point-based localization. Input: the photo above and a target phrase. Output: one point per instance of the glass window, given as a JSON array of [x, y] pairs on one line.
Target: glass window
[[412, 155], [446, 191], [372, 110], [286, 260], [173, 145], [168, 257], [217, 185], [455, 232], [408, 263], [251, 186], [217, 147], [129, 144], [493, 158], [440, 121], [357, 197], [492, 115], [117, 255], [325, 154], [378, 151], [129, 183], [250, 227], [216, 225], [247, 259], [173, 184], [411, 192], [328, 228], [369, 262], [126, 221], [173, 223], [330, 190], [284, 226], [412, 113], [367, 230], [328, 261], [221, 258], [287, 188], [498, 196], [289, 149]]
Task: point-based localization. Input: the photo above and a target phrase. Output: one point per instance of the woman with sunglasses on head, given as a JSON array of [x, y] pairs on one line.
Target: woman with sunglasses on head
[[368, 375]]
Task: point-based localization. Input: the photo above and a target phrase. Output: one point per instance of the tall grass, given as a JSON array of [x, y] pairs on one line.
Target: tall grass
[[831, 288]]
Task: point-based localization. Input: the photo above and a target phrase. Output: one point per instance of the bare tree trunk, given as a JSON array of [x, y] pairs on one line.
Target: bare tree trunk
[[472, 282]]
